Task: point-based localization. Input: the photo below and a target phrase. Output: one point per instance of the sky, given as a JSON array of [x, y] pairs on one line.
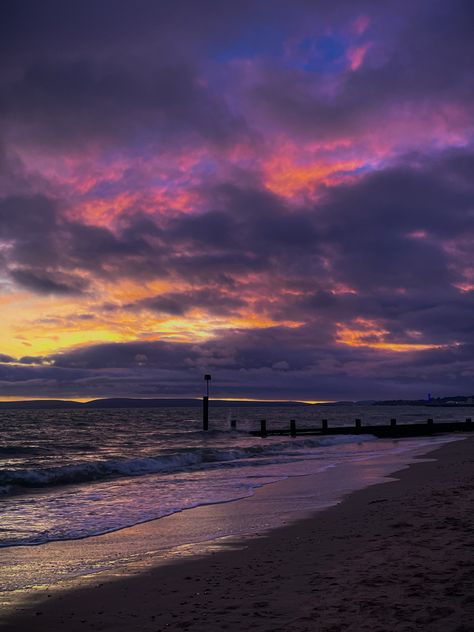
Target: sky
[[278, 193]]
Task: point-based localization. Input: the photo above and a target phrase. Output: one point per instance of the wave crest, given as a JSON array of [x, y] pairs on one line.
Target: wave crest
[[88, 471]]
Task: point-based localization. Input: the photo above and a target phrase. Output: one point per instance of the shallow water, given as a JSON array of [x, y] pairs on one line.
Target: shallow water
[[27, 571], [73, 474]]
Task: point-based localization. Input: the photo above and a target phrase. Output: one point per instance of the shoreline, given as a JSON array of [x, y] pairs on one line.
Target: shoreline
[[272, 580], [134, 548]]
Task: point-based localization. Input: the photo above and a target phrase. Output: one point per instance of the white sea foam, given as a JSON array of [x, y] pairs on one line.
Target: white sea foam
[[80, 472]]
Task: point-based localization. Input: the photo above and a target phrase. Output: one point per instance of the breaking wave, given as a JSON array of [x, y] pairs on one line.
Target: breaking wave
[[13, 481]]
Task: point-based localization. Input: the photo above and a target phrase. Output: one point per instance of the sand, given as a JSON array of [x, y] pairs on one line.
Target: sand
[[397, 556]]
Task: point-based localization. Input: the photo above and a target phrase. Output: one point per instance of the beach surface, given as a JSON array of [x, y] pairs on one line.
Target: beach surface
[[396, 556]]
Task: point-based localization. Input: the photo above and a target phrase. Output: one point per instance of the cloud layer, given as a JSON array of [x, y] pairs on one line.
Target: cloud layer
[[283, 198]]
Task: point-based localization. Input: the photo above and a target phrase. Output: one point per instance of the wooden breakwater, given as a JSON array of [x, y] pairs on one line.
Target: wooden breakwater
[[392, 430]]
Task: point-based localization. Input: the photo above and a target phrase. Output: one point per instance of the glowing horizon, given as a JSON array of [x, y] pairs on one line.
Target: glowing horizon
[[281, 198]]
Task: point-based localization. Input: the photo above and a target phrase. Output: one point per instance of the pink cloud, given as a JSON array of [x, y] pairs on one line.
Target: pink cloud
[[356, 55], [361, 24]]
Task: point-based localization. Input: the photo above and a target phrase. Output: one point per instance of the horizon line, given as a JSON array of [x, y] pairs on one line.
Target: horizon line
[[85, 400]]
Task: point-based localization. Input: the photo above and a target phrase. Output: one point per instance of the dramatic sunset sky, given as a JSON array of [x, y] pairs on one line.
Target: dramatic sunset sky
[[278, 193]]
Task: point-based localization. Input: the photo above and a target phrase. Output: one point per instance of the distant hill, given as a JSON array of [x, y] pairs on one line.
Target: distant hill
[[40, 404], [123, 402], [128, 402], [456, 400]]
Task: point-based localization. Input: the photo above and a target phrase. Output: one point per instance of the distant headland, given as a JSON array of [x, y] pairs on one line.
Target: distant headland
[[125, 402]]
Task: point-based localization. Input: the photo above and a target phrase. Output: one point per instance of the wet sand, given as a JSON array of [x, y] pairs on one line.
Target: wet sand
[[397, 556]]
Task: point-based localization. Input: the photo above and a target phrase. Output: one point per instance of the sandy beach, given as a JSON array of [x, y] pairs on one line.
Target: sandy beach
[[397, 556]]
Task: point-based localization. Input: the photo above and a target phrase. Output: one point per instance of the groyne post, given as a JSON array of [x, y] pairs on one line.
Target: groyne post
[[263, 427], [393, 423], [324, 425], [205, 404], [205, 412], [358, 425], [233, 424], [469, 423], [292, 428], [430, 423]]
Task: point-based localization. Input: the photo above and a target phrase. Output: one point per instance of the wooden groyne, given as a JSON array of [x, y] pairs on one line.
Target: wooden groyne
[[392, 430]]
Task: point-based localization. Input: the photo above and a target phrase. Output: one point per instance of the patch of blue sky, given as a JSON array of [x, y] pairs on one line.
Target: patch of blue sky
[[322, 54]]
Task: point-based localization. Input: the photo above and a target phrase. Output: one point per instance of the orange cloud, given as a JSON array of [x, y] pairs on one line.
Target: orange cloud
[[42, 325], [367, 333], [287, 178]]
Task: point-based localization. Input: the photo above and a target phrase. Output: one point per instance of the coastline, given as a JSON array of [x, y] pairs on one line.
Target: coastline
[[390, 556]]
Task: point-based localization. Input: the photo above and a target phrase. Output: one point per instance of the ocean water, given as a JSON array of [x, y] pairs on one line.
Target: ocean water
[[72, 474]]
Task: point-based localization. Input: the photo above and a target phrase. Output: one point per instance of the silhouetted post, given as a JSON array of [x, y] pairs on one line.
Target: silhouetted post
[[469, 423], [430, 423], [325, 425], [205, 412], [207, 377], [233, 424], [292, 427], [263, 427], [205, 404], [393, 423], [358, 425]]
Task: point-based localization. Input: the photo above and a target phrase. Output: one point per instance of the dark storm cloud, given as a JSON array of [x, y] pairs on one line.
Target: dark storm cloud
[[44, 249], [20, 215], [437, 317], [110, 71], [115, 72], [100, 245], [120, 71], [251, 231], [446, 319], [32, 360], [31, 229], [253, 350], [424, 54], [180, 303], [386, 252], [388, 231], [29, 30], [47, 284], [111, 355], [83, 100], [435, 193], [391, 231], [247, 231], [243, 364]]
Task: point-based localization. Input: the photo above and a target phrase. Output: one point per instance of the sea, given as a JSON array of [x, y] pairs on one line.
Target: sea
[[70, 474]]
